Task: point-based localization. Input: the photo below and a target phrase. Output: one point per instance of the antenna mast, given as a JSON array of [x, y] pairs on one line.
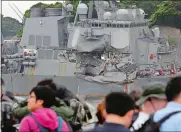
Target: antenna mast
[[16, 12], [76, 15], [90, 9], [17, 9], [20, 13]]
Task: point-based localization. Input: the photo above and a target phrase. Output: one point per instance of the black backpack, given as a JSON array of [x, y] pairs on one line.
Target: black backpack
[[7, 120], [151, 126]]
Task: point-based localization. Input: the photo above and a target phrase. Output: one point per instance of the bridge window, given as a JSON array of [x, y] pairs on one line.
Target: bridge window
[[113, 25], [96, 25], [108, 25], [126, 25]]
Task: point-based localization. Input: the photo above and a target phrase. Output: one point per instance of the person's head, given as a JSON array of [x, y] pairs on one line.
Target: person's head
[[153, 98], [173, 90], [119, 105], [47, 82], [100, 112], [135, 95], [41, 96]]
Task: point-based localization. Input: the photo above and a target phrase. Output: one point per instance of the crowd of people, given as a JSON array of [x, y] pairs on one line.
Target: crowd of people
[[51, 107], [46, 103]]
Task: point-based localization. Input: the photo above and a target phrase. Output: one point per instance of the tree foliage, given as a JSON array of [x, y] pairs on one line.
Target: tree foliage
[[158, 11], [168, 13], [10, 26], [148, 6], [20, 32], [40, 4]]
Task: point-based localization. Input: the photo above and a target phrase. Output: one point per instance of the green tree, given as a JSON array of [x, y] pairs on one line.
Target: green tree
[[157, 11], [10, 26], [168, 13], [40, 4], [20, 32], [148, 6]]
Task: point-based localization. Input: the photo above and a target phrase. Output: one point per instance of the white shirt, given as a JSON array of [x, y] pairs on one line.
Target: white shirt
[[142, 118]]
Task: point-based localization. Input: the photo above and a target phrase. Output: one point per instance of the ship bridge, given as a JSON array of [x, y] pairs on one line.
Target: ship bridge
[[87, 23]]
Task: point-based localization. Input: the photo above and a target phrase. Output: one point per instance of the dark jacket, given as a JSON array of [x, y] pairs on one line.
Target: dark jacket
[[60, 108], [64, 94], [110, 127]]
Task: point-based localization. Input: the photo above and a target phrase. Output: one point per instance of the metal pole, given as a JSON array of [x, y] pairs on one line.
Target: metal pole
[[90, 9], [78, 89], [76, 16], [16, 12]]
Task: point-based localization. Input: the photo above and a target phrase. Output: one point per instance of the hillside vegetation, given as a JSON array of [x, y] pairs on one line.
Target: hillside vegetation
[[10, 27], [167, 13]]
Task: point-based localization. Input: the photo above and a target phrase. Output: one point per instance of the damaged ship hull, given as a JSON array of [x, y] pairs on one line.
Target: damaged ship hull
[[22, 84], [93, 48]]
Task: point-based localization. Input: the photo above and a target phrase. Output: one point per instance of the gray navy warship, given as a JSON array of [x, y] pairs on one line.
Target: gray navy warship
[[95, 54]]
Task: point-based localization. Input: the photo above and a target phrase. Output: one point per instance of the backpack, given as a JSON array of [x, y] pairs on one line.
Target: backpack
[[81, 114], [59, 129], [7, 120], [151, 126]]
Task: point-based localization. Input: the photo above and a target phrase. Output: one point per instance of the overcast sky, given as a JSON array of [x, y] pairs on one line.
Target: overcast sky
[[22, 5]]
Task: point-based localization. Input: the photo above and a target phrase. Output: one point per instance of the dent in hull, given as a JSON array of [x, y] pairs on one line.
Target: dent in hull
[[23, 84]]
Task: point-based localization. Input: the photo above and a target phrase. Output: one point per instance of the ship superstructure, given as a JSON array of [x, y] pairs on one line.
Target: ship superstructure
[[91, 55]]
